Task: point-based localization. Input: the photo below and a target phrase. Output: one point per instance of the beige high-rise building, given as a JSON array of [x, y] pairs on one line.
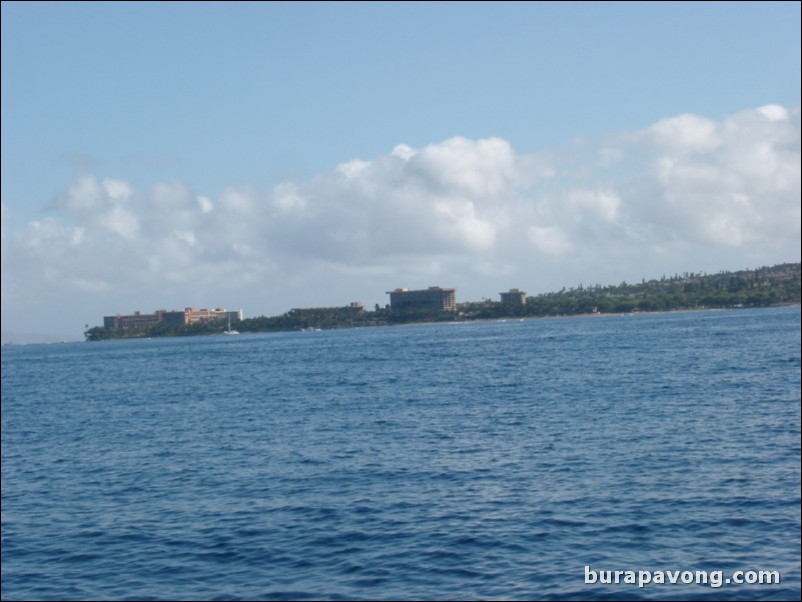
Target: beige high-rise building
[[514, 297], [433, 297]]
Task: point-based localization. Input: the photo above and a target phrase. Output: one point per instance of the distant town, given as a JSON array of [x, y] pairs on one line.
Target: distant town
[[762, 287]]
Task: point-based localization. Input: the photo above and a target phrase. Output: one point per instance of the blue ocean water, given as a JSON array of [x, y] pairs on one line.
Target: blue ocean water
[[453, 461]]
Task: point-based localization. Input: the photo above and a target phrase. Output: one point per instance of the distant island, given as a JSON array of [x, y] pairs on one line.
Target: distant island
[[761, 287]]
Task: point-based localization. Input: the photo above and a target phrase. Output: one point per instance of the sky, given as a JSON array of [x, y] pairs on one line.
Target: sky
[[268, 156]]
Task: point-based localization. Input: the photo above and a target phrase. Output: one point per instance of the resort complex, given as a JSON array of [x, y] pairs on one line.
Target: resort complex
[[189, 315], [766, 286]]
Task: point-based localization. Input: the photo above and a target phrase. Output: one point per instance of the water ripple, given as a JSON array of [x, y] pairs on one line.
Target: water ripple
[[491, 461]]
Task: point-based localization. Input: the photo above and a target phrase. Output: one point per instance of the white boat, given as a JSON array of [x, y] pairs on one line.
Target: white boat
[[229, 331]]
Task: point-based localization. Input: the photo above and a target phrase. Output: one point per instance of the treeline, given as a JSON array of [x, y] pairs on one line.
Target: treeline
[[162, 329], [761, 287]]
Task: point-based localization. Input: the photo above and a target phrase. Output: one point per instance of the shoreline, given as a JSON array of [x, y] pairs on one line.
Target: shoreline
[[456, 321], [428, 323], [549, 317]]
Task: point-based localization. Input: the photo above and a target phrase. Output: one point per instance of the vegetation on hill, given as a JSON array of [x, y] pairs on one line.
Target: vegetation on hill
[[762, 287]]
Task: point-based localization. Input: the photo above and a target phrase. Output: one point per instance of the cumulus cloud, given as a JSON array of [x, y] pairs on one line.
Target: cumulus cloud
[[600, 205], [117, 189], [684, 134], [549, 240], [450, 212], [731, 183]]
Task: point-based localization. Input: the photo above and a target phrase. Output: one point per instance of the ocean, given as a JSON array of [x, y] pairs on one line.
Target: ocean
[[499, 460]]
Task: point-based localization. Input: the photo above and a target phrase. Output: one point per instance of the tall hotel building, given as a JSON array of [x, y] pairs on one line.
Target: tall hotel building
[[433, 297], [514, 297]]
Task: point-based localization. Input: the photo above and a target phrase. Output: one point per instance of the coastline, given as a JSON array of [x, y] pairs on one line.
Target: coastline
[[557, 317], [458, 321], [775, 286]]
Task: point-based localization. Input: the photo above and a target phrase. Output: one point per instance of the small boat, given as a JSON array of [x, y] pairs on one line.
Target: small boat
[[229, 331]]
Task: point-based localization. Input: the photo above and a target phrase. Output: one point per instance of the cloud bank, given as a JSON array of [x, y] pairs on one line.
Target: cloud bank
[[686, 193]]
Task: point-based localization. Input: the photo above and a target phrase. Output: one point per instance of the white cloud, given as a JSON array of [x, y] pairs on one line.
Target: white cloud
[[286, 198], [119, 221], [550, 240], [481, 168], [467, 213], [460, 223], [352, 169], [84, 197], [684, 134], [117, 189], [744, 190], [610, 156], [238, 201], [594, 204], [774, 112], [205, 204], [402, 151]]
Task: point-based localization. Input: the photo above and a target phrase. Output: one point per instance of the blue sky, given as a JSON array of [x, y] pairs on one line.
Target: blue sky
[[275, 155]]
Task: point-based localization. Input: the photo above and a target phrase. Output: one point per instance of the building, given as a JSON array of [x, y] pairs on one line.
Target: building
[[433, 297], [193, 315], [135, 320], [514, 297], [190, 315]]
